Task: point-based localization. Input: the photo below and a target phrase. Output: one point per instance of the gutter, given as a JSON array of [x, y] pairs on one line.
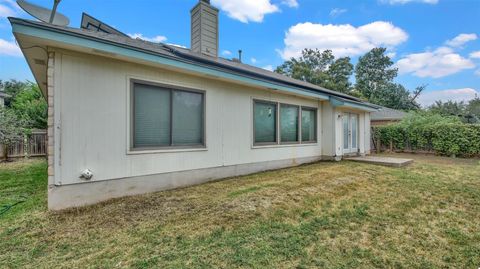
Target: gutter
[[340, 102]]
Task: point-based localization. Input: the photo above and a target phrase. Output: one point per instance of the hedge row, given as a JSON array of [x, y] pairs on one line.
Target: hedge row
[[451, 139]]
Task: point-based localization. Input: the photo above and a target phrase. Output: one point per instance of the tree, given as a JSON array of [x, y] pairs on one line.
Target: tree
[[467, 112], [319, 68], [374, 74], [11, 129], [12, 88], [30, 105], [339, 73], [473, 109], [395, 96], [27, 101], [449, 108]]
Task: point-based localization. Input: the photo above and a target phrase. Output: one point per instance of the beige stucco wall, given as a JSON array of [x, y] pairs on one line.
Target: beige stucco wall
[[92, 98], [367, 133], [90, 129], [363, 130], [332, 130], [328, 130]]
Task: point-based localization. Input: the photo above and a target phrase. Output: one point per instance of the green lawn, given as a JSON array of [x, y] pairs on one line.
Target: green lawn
[[328, 215]]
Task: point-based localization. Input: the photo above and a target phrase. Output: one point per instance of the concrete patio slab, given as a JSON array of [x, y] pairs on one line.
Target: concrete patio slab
[[385, 161]]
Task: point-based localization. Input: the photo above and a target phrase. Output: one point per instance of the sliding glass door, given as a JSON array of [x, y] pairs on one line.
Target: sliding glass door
[[350, 133]]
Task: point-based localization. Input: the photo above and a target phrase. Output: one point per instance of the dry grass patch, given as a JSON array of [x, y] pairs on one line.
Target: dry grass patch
[[318, 215]]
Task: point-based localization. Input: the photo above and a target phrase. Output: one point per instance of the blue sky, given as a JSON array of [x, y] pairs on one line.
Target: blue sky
[[434, 42]]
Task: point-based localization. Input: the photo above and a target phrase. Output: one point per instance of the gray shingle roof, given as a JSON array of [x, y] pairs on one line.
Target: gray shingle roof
[[386, 113], [183, 54]]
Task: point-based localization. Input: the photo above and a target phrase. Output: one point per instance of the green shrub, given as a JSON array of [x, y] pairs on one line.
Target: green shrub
[[431, 132]]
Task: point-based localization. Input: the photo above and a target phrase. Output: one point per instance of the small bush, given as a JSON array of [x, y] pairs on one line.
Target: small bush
[[432, 132]]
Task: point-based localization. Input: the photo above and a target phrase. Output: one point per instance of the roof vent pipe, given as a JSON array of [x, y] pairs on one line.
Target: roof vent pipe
[[240, 55]]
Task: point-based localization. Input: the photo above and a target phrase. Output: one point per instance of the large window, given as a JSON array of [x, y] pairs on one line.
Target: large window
[[265, 122], [289, 123], [276, 123], [309, 126], [166, 117]]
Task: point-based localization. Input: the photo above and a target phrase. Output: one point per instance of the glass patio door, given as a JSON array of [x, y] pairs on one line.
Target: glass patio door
[[350, 133]]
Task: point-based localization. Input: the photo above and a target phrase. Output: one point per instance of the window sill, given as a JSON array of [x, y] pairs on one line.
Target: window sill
[[285, 145], [172, 150]]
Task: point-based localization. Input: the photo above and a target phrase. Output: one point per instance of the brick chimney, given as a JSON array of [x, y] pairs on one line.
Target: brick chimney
[[204, 29]]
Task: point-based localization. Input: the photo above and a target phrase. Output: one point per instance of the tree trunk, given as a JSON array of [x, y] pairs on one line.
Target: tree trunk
[[5, 152]]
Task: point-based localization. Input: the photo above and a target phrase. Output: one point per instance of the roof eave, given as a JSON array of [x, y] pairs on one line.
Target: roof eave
[[59, 36], [62, 36], [339, 102]]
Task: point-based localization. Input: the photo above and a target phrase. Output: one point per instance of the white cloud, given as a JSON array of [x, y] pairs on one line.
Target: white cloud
[[290, 3], [268, 67], [247, 10], [458, 95], [9, 48], [343, 40], [8, 8], [477, 72], [155, 39], [402, 2], [226, 53], [475, 54], [6, 11], [391, 54], [337, 12], [461, 39], [253, 60], [436, 64]]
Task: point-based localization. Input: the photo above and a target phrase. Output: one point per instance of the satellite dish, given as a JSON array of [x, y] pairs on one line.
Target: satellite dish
[[45, 14]]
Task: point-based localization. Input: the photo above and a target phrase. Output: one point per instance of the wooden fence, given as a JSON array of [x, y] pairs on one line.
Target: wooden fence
[[33, 145], [376, 146]]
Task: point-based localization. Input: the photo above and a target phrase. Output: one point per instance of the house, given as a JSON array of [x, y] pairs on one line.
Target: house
[[385, 116], [126, 116]]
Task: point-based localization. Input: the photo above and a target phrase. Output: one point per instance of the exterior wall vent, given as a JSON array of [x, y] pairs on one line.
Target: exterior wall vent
[[204, 29], [39, 61]]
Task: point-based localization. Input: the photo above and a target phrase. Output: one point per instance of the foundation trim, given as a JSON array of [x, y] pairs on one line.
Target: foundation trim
[[76, 195]]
